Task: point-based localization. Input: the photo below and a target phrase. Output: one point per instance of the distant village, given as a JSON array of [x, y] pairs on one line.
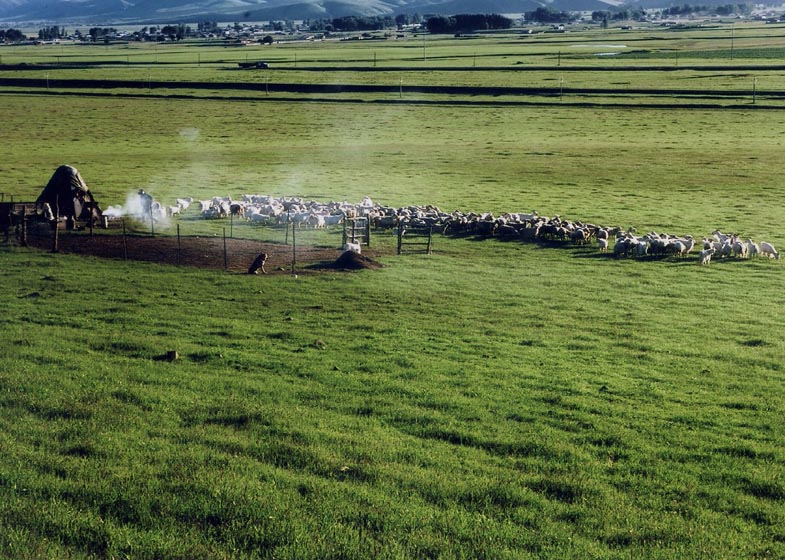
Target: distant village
[[542, 19]]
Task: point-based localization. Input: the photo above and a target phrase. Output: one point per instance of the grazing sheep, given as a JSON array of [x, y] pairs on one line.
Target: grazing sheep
[[236, 209], [258, 218], [602, 243], [333, 220], [689, 243], [706, 256], [740, 248], [316, 221], [768, 250], [641, 248], [579, 236], [676, 247]]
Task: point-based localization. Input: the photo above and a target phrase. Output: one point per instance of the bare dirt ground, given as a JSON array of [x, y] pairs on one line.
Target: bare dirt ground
[[206, 252]]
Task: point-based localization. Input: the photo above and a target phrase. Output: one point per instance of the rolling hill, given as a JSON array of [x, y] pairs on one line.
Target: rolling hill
[[167, 11]]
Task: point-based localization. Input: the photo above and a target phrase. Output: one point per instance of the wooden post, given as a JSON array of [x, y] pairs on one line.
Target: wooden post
[[231, 224], [226, 260], [125, 243], [294, 250], [401, 227], [288, 222], [343, 237], [368, 232], [55, 240]]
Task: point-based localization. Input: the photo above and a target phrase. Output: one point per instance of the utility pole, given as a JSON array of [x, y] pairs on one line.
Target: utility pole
[[732, 33]]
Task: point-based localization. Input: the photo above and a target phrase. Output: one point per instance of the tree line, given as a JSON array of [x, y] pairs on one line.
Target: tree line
[[12, 35], [720, 10], [467, 22]]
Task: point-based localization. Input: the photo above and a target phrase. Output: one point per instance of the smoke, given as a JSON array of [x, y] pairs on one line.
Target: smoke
[[136, 208]]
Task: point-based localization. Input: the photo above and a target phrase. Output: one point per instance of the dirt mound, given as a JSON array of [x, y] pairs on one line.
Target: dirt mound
[[349, 260]]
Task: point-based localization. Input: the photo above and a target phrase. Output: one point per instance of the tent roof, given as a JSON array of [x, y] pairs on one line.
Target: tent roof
[[67, 193], [67, 176]]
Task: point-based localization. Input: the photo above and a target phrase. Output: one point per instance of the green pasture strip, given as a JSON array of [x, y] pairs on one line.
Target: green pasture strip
[[682, 171], [636, 412], [492, 400], [674, 77], [566, 97], [754, 41]]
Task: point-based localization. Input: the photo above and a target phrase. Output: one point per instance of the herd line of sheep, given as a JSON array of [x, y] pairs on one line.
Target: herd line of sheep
[[268, 210]]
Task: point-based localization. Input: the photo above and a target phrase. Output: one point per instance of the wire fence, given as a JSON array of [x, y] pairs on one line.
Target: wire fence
[[219, 244]]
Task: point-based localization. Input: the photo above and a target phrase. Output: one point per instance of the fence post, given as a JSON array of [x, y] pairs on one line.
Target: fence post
[[294, 249], [125, 243], [57, 221], [401, 227], [368, 231], [226, 261]]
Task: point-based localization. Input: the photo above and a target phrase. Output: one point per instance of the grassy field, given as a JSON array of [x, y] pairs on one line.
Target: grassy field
[[492, 400]]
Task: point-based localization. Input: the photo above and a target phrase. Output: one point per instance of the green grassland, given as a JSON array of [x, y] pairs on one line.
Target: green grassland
[[492, 400]]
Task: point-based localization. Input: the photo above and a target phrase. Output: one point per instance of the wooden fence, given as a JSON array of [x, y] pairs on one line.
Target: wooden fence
[[414, 239]]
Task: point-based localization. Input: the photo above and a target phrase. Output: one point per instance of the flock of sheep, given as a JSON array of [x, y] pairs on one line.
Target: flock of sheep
[[268, 210]]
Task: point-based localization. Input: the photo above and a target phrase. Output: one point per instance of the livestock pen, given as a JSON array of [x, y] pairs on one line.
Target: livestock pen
[[187, 244]]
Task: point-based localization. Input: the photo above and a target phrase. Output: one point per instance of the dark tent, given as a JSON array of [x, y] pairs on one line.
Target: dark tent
[[68, 196]]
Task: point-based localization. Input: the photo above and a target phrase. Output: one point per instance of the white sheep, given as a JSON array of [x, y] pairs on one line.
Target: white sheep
[[740, 249], [603, 244], [768, 250], [333, 220], [316, 220], [353, 247], [258, 218], [706, 256], [753, 250]]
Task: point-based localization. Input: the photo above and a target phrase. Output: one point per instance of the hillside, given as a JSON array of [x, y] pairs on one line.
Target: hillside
[[164, 11]]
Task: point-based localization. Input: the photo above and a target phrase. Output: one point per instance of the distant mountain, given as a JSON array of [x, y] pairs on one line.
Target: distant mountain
[[176, 11]]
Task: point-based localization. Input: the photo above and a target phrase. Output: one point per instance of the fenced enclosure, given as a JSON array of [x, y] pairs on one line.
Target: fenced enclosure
[[228, 244], [414, 239]]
